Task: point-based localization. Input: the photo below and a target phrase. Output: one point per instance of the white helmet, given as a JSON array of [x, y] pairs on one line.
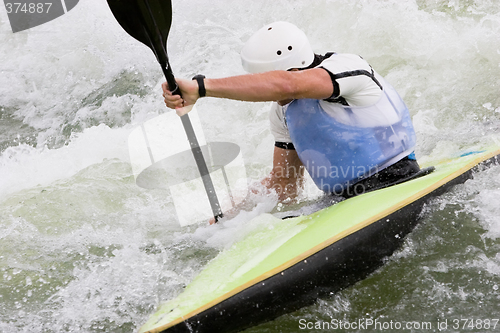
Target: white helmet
[[277, 46]]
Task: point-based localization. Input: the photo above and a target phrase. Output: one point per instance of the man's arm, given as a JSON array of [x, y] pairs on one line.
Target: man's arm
[[287, 175], [270, 86]]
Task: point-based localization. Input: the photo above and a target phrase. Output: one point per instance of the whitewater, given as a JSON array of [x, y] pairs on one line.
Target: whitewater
[[84, 249]]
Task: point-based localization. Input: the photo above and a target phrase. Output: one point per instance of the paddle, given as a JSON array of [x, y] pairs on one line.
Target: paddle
[[149, 22]]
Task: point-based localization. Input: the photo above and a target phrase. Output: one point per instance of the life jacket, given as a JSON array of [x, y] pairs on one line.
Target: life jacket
[[336, 151]]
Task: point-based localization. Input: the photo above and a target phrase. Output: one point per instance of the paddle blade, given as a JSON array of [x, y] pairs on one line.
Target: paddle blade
[[148, 21]]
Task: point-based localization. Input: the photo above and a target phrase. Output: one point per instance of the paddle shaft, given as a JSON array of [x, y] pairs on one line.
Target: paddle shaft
[[191, 136], [188, 128], [149, 22]]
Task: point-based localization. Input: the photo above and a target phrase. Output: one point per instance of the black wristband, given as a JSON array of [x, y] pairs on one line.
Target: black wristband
[[284, 145], [201, 84]]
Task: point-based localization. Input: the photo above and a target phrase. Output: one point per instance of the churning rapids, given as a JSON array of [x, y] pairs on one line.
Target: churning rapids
[[84, 249]]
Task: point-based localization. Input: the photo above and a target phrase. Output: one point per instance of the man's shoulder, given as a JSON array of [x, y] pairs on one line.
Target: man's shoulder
[[339, 62]]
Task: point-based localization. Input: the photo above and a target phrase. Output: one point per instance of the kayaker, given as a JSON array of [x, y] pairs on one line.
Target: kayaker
[[331, 114]]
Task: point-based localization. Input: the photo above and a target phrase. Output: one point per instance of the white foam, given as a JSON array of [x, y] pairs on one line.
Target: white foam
[[24, 166], [441, 55]]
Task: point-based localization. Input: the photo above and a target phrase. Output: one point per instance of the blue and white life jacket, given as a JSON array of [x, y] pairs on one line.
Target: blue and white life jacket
[[342, 145]]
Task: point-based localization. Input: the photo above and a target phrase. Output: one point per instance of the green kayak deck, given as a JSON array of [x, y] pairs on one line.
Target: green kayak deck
[[347, 241]]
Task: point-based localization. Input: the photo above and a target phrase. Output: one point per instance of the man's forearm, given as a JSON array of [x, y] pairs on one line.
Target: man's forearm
[[271, 86]]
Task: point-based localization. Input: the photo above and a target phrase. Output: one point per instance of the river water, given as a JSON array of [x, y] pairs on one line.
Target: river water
[[84, 249]]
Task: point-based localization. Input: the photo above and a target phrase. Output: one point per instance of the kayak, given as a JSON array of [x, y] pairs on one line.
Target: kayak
[[294, 261]]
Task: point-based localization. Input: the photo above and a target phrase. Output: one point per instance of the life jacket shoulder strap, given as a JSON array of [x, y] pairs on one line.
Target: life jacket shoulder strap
[[335, 98]]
